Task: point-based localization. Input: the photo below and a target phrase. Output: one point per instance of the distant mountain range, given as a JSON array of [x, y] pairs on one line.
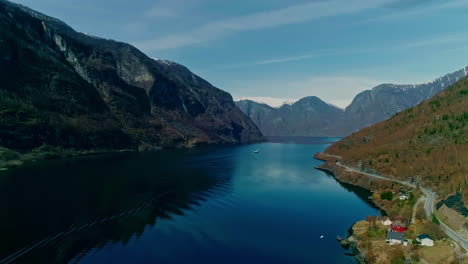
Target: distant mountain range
[[311, 116], [65, 88]]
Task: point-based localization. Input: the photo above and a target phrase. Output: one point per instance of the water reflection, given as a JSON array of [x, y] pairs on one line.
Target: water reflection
[[57, 211], [363, 194], [211, 205]]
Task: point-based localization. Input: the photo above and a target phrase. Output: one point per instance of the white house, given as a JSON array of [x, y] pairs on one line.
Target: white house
[[394, 238], [425, 240], [403, 197], [386, 221]]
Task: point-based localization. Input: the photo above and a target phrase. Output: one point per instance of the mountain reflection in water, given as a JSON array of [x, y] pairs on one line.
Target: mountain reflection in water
[[53, 210]]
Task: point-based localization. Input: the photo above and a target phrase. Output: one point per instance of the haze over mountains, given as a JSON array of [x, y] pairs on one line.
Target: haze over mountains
[[65, 88], [311, 116]]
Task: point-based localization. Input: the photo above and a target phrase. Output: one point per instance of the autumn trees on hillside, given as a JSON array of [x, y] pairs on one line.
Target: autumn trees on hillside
[[427, 144]]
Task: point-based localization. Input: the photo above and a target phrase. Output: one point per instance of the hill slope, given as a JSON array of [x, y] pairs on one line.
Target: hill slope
[[427, 143], [380, 103], [65, 88]]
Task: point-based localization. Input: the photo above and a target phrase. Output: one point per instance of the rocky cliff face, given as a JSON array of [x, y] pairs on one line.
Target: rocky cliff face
[[66, 88], [309, 116], [259, 113], [316, 118]]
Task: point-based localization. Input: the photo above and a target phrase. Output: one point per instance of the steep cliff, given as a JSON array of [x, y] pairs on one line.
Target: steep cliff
[[66, 88]]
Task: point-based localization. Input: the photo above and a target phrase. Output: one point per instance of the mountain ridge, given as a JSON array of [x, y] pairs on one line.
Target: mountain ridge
[[367, 108], [427, 143], [66, 88], [286, 120], [384, 100]]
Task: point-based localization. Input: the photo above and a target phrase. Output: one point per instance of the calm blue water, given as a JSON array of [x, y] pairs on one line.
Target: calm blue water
[[211, 205]]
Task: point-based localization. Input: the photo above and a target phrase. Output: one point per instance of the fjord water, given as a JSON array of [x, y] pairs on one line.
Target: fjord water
[[208, 205]]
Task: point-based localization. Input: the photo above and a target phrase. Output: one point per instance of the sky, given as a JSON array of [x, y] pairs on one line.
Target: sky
[[276, 50]]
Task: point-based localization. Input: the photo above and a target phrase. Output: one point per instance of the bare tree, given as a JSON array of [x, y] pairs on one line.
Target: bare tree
[[371, 219]]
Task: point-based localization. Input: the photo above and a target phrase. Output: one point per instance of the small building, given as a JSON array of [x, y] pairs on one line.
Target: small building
[[403, 197], [394, 238], [398, 228], [385, 221], [425, 240]]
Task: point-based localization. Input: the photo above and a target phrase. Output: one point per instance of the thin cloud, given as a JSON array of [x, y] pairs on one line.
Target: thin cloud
[[261, 20], [170, 9], [439, 39], [414, 12], [162, 10], [288, 59], [317, 54], [158, 11], [449, 38]]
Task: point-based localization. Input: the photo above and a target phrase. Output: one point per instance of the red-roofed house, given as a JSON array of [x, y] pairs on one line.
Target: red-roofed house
[[398, 228]]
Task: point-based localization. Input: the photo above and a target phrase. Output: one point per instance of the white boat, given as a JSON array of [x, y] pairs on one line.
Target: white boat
[[256, 151]]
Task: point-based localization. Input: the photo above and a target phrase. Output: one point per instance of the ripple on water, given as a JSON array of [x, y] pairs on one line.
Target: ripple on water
[[221, 205]]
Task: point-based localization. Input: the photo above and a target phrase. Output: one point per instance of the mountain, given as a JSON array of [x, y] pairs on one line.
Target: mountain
[[309, 116], [257, 112], [427, 143], [380, 103], [66, 88], [368, 107]]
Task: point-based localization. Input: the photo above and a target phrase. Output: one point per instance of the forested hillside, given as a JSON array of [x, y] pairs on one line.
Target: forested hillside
[[427, 143]]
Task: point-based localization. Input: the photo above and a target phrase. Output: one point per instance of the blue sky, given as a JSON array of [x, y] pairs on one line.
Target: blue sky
[[285, 49]]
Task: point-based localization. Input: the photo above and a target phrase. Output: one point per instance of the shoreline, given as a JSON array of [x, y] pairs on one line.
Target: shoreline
[[373, 182], [11, 158], [354, 186], [350, 241]]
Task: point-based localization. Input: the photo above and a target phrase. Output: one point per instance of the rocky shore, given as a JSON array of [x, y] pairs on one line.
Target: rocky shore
[[351, 242]]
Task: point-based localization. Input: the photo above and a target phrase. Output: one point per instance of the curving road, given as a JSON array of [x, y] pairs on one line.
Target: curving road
[[428, 204], [429, 208]]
